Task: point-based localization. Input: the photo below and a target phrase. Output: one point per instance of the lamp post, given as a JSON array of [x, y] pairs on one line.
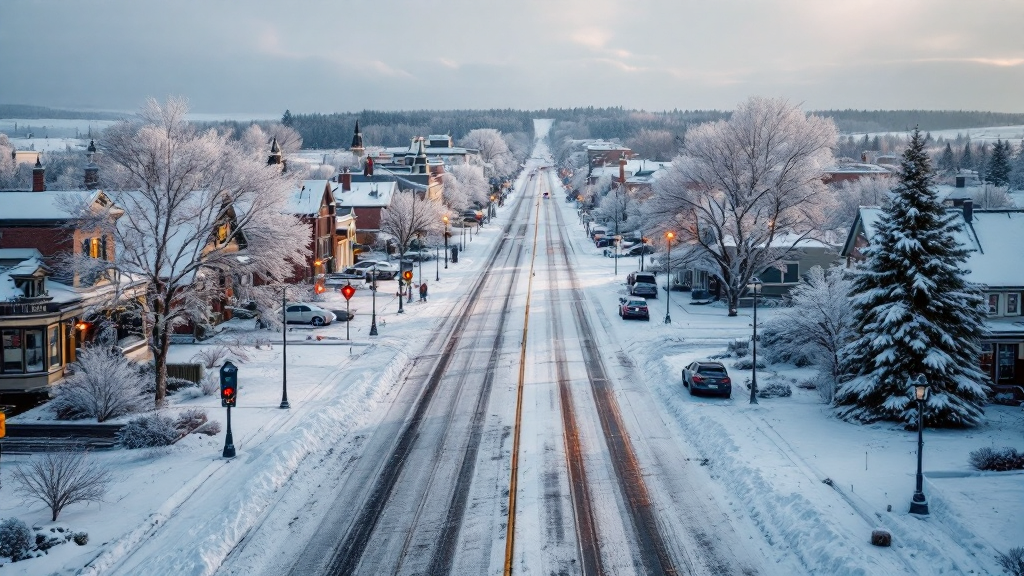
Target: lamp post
[[668, 276], [755, 285], [463, 234], [615, 240], [284, 348], [445, 218], [490, 209], [437, 263], [401, 288], [919, 390], [373, 315]]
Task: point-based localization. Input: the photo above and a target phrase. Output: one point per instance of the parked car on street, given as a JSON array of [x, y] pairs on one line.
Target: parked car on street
[[384, 270], [644, 289], [350, 273], [419, 255], [629, 251], [633, 308], [704, 377], [306, 313], [634, 277]]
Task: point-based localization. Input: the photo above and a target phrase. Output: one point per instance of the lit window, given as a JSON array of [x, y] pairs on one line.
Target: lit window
[[993, 304], [1013, 304]]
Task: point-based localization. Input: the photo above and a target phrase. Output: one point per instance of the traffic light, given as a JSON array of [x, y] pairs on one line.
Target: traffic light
[[348, 291], [228, 384], [407, 275], [319, 288]]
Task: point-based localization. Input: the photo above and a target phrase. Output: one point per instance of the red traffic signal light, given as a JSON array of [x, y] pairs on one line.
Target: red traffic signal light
[[407, 275], [347, 291], [228, 384]]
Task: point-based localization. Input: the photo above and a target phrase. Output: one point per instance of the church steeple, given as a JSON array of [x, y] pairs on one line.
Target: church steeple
[[357, 141], [275, 153]]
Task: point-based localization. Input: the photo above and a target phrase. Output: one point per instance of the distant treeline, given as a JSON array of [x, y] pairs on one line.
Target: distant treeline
[[26, 112], [396, 128], [863, 121], [379, 128]]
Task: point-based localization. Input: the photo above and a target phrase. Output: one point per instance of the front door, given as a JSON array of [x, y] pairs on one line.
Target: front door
[[1006, 359]]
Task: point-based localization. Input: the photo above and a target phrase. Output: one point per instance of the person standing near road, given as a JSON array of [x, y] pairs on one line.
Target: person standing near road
[[423, 292]]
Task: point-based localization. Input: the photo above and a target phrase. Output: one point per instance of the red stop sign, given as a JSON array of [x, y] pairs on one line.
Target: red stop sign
[[347, 291]]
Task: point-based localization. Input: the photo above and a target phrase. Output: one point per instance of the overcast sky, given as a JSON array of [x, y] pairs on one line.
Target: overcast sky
[[262, 57]]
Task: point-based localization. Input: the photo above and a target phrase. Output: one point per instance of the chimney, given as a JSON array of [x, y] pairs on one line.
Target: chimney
[[961, 181], [346, 180], [368, 167], [38, 177], [622, 169], [968, 210]]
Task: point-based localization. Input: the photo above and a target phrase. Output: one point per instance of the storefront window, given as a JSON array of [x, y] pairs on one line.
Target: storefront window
[[13, 358], [53, 337], [25, 350], [35, 356]]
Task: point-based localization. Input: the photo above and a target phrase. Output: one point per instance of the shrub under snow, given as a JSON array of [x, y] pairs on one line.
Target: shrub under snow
[[774, 390], [15, 539], [104, 385], [998, 460], [148, 431]]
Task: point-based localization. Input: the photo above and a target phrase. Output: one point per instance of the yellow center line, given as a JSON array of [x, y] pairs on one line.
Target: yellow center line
[[511, 527]]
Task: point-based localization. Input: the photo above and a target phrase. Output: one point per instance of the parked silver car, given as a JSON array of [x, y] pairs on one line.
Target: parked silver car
[[306, 313]]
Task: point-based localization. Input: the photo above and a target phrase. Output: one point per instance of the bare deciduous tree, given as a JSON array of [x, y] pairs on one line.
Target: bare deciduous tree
[[192, 209], [493, 148], [409, 217], [104, 385], [743, 184], [59, 479]]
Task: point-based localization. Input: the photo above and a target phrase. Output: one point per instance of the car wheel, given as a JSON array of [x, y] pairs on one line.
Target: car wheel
[[317, 321]]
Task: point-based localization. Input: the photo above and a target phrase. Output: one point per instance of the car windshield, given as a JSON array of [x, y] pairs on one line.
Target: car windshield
[[637, 303]]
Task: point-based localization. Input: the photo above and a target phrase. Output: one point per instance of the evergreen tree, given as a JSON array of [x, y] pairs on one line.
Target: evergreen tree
[[981, 160], [915, 312], [947, 162], [998, 173], [966, 160], [287, 118], [1017, 167]]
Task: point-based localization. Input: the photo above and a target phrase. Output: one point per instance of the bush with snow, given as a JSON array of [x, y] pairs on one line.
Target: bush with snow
[[15, 539], [998, 460], [190, 420], [747, 363], [1013, 561], [775, 389], [104, 385], [148, 431]]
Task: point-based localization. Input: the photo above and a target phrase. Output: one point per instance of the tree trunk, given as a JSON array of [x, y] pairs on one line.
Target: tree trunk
[[161, 349]]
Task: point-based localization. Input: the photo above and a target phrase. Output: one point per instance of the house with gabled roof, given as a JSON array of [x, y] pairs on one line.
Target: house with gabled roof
[[996, 263], [313, 202]]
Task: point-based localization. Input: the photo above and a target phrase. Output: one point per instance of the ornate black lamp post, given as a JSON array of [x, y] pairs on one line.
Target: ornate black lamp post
[[284, 349], [919, 390], [668, 276], [445, 218], [437, 262], [373, 315], [755, 286]]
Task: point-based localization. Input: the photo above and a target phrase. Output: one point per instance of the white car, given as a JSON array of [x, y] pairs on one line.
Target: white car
[[306, 313], [385, 270]]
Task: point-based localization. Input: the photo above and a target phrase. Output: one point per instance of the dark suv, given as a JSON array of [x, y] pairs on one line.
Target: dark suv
[[707, 378]]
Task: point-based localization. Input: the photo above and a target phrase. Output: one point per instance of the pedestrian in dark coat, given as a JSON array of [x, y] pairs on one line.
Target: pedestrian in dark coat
[[423, 292]]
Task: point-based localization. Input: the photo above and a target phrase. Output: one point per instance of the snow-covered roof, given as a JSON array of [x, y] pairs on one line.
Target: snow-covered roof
[[26, 262], [859, 168], [45, 206], [994, 238], [367, 194], [605, 146], [305, 200]]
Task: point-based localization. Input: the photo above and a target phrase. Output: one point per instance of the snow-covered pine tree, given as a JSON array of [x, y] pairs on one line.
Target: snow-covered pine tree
[[947, 162], [966, 159], [915, 311], [998, 170], [1017, 166]]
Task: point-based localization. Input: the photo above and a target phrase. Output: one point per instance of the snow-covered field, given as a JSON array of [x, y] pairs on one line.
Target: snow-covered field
[[768, 462]]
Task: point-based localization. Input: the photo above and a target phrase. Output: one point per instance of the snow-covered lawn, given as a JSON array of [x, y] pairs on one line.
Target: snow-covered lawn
[[771, 460]]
